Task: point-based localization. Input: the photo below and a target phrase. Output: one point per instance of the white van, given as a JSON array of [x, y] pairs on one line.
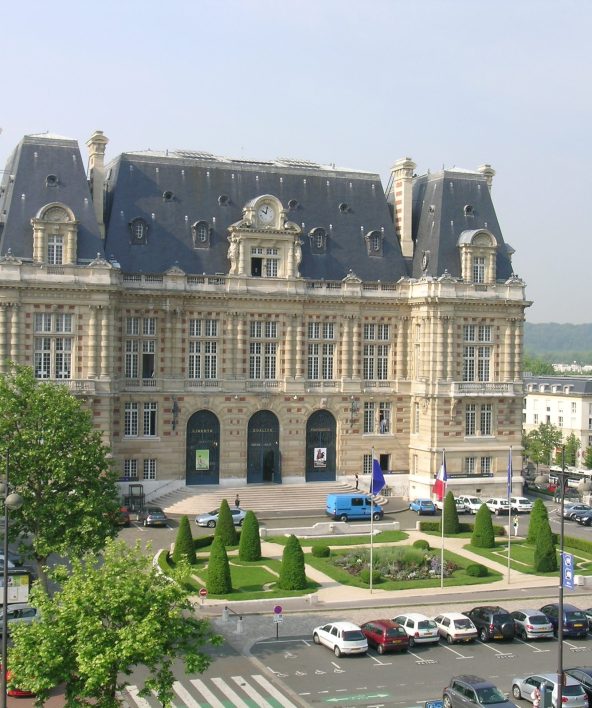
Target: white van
[[472, 504]]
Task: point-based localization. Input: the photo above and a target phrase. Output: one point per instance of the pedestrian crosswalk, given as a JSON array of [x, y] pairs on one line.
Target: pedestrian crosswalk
[[255, 691]]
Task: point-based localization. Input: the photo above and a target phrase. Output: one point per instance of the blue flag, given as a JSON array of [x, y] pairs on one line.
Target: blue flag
[[377, 482], [510, 474]]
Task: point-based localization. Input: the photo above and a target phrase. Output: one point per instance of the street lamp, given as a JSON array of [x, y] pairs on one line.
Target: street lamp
[[560, 676], [12, 502]]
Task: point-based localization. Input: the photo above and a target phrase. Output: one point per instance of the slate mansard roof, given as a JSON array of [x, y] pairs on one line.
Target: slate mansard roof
[[173, 191], [578, 385]]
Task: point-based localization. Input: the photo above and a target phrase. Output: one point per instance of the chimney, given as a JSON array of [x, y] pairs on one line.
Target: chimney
[[488, 172], [402, 179], [96, 145]]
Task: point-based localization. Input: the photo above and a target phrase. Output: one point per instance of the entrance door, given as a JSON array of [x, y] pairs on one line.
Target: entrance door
[[320, 447], [203, 449], [263, 456]]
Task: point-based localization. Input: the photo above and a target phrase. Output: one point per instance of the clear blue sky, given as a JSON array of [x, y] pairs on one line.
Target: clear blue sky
[[358, 84]]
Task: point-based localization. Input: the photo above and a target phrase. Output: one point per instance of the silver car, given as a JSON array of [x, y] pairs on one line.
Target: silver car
[[211, 518], [573, 693], [532, 624], [20, 614]]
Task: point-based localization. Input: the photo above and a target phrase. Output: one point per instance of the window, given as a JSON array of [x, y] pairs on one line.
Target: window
[[52, 358], [318, 240], [384, 417], [55, 250], [374, 243], [130, 425], [367, 465], [376, 354], [203, 349], [573, 407], [140, 352], [469, 465], [264, 262], [130, 469], [150, 469], [536, 418], [560, 421], [486, 419], [478, 269], [139, 231], [486, 466], [262, 354], [470, 419], [321, 353], [369, 415], [416, 417], [476, 357], [150, 419]]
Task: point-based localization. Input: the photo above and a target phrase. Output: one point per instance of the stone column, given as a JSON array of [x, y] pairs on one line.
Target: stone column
[[229, 345], [3, 337], [345, 347], [289, 348], [241, 347], [356, 373], [518, 325], [450, 350], [300, 364], [91, 344], [106, 344], [14, 334], [440, 349]]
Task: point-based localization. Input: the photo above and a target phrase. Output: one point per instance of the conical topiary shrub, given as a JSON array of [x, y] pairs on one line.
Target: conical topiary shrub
[[538, 516], [292, 575], [450, 515], [545, 556], [184, 547], [249, 548], [225, 526], [483, 536], [218, 576]]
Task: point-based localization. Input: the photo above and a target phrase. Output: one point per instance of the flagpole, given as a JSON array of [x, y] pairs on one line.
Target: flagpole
[[442, 539], [509, 490], [371, 522]]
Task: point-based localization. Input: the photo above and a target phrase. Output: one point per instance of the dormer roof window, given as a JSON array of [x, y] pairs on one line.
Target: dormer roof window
[[139, 231], [318, 240], [374, 241], [201, 234]]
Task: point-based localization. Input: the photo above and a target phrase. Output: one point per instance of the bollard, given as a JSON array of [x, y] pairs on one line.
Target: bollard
[[239, 625], [225, 614]]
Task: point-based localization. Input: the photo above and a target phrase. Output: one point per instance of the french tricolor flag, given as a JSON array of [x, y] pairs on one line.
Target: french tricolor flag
[[440, 485]]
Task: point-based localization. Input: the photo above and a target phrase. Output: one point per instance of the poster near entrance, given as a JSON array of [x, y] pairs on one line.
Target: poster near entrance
[[320, 457], [202, 459], [203, 449]]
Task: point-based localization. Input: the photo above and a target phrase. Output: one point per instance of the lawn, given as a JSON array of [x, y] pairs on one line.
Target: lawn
[[522, 557], [382, 537]]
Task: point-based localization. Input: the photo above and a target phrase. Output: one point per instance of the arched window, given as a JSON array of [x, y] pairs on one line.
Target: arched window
[[374, 243], [139, 231], [318, 240], [201, 234]]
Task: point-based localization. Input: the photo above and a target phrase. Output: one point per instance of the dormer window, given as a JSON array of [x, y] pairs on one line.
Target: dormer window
[[55, 250], [468, 210], [139, 232], [55, 234], [318, 240], [478, 269], [478, 251], [201, 234], [374, 243]]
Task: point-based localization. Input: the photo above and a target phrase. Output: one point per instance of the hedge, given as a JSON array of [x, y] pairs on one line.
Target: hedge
[[321, 551], [464, 527]]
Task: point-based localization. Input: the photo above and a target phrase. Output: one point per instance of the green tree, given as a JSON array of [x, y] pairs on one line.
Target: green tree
[[541, 443], [450, 514], [218, 581], [59, 465], [249, 548], [537, 366], [538, 518], [109, 615], [225, 526], [483, 536], [588, 458], [292, 572], [545, 556], [184, 546], [572, 445]]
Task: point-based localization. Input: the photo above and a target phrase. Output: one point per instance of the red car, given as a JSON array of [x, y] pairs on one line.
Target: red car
[[385, 635], [16, 692]]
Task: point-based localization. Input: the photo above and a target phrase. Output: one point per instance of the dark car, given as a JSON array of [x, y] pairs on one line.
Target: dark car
[[152, 516], [575, 622], [471, 690], [583, 674], [385, 635], [583, 517], [492, 622], [122, 517]]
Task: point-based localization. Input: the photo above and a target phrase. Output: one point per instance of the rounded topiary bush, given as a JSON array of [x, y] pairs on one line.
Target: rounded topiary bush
[[539, 517], [450, 515], [365, 576], [184, 547], [545, 556], [321, 551], [483, 535], [476, 570], [421, 543], [292, 575], [218, 575], [249, 548], [225, 526]]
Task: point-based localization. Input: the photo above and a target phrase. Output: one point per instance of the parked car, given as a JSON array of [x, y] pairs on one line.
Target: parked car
[[211, 518], [341, 638], [385, 635], [532, 624], [122, 517], [472, 504], [15, 558], [12, 689], [455, 627], [584, 518], [520, 505], [575, 622], [469, 690], [344, 507], [573, 693], [420, 629], [460, 505], [20, 613], [423, 506], [152, 516], [492, 622], [498, 505], [588, 613], [583, 674], [570, 511]]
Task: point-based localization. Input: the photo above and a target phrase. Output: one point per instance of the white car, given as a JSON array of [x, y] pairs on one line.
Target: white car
[[420, 628], [573, 692], [460, 505], [472, 504], [455, 627], [520, 504], [341, 638], [498, 505]]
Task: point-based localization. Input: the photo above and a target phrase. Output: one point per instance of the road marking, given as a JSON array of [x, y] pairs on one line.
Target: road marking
[[251, 692], [530, 646], [378, 662], [229, 693], [188, 699], [337, 669], [283, 641], [276, 673], [458, 654], [272, 690], [499, 654], [138, 700]]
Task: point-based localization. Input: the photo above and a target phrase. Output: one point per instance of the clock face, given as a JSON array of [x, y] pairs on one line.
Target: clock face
[[266, 213]]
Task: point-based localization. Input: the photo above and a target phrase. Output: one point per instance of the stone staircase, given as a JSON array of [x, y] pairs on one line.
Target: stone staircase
[[260, 498]]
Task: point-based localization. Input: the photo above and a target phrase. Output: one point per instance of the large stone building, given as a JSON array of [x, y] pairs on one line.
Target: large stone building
[[262, 321]]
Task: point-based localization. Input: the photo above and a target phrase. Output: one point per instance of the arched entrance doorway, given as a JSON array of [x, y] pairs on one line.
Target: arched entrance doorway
[[203, 449], [320, 447], [263, 448]]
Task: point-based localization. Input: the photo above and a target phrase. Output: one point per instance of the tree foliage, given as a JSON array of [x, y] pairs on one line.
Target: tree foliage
[[218, 581], [540, 444], [545, 556], [588, 458], [538, 518], [59, 465], [537, 366], [483, 535], [225, 525], [572, 445], [450, 515], [184, 546], [110, 615], [292, 572], [249, 548]]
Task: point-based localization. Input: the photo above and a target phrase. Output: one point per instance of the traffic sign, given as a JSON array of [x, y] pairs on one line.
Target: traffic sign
[[203, 592], [278, 609], [434, 704], [278, 618]]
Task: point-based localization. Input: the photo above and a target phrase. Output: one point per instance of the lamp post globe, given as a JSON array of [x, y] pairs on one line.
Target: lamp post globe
[[13, 502]]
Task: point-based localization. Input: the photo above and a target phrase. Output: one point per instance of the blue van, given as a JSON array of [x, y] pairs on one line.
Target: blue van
[[344, 507]]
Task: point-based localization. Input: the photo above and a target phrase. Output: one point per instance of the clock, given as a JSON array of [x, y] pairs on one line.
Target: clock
[[266, 213]]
